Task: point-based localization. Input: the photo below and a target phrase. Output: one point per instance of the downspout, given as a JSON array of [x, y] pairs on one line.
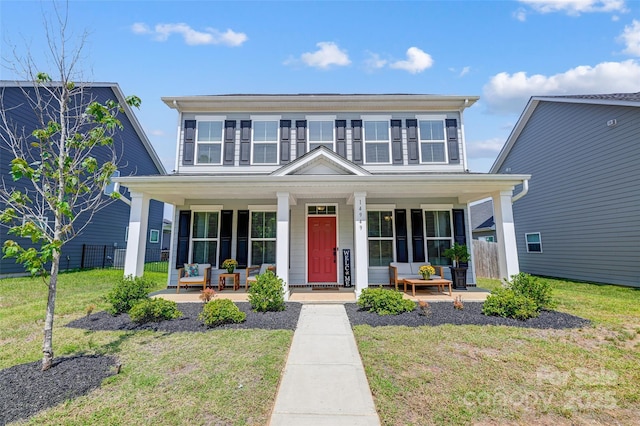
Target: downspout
[[525, 189]]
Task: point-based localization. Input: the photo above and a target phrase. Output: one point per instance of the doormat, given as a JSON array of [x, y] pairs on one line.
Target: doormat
[[324, 287]]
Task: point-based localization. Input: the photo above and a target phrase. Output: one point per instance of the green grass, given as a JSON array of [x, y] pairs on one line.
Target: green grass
[[217, 377], [506, 375]]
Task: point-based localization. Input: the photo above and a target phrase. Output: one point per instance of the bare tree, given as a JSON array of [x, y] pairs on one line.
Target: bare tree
[[58, 177]]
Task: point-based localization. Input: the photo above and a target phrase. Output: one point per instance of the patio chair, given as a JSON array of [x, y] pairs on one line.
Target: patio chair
[[201, 277], [253, 272]]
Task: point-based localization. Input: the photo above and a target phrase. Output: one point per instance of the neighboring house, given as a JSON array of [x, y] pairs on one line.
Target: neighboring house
[[581, 217], [109, 227], [329, 188], [482, 225]]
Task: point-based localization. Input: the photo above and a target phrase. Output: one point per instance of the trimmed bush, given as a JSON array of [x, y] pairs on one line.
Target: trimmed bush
[[148, 310], [267, 293], [127, 292], [504, 302], [384, 302], [221, 311], [534, 288]]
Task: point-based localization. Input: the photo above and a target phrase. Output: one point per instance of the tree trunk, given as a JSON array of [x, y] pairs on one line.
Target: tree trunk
[[47, 346]]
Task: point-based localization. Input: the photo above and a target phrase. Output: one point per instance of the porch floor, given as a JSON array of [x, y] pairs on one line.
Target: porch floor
[[334, 295]]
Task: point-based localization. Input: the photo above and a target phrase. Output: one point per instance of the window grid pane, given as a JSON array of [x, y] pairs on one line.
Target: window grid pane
[[432, 152], [263, 225], [435, 251], [263, 252], [265, 153], [265, 131], [205, 252], [431, 130], [209, 131], [380, 252], [205, 225], [320, 131], [209, 153]]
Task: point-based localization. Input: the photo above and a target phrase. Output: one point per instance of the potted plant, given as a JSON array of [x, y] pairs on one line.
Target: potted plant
[[426, 271], [458, 255], [230, 265]]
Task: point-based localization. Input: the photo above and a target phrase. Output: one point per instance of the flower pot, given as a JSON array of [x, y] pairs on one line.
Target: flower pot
[[459, 277], [426, 276], [230, 270]]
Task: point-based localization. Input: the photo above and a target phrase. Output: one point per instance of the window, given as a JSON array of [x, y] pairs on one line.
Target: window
[[263, 237], [112, 186], [380, 233], [321, 210], [126, 234], [204, 238], [432, 141], [488, 238], [320, 133], [209, 141], [534, 242], [154, 236], [265, 142], [438, 235], [376, 141]]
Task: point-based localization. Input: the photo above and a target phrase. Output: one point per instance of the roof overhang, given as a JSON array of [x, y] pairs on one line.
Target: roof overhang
[[318, 102], [458, 188]]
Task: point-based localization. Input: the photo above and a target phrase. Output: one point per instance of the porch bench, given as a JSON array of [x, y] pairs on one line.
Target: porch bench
[[203, 279], [400, 271]]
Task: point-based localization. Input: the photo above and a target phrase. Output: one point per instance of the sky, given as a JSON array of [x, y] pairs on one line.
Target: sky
[[502, 51]]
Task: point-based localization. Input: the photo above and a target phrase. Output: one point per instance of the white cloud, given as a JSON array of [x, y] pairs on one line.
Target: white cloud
[[157, 132], [328, 54], [374, 62], [417, 61], [464, 71], [575, 7], [509, 93], [520, 14], [488, 148], [191, 37], [631, 38]]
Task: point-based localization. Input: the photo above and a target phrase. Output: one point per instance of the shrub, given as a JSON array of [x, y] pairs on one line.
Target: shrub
[[126, 293], [504, 302], [384, 302], [267, 293], [221, 311], [148, 310], [534, 288]]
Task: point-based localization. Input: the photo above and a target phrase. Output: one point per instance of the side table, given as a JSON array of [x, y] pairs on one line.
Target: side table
[[222, 278]]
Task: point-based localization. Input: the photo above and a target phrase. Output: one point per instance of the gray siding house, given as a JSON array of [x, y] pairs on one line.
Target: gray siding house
[[108, 229], [330, 188], [482, 225], [581, 217]]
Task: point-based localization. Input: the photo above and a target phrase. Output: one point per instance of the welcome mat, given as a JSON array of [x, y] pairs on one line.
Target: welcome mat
[[324, 287]]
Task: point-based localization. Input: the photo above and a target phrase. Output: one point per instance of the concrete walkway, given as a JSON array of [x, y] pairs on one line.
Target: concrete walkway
[[324, 381]]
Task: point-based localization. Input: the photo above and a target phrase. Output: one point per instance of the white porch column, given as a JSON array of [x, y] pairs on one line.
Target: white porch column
[[282, 241], [506, 234], [137, 237], [360, 243]]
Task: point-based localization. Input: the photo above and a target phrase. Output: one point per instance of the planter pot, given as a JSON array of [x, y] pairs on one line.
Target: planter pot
[[426, 276], [230, 270], [459, 277]]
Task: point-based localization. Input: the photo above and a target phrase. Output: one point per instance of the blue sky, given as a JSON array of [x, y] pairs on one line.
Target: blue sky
[[502, 51]]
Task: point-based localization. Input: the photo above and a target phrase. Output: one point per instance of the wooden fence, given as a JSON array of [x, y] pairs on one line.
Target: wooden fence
[[485, 258]]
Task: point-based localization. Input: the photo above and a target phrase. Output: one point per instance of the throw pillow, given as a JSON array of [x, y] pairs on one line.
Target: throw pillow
[[191, 270]]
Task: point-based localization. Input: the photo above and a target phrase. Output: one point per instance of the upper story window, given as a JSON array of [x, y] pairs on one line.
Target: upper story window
[[265, 140], [432, 140], [321, 131], [209, 140], [376, 140]]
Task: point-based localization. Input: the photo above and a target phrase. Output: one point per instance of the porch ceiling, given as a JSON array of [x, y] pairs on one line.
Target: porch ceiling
[[176, 189]]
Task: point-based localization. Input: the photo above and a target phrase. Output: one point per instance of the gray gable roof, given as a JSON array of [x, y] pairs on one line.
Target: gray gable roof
[[481, 215], [627, 97]]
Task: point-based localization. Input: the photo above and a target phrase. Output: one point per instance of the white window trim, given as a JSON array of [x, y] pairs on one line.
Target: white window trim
[[126, 234], [218, 118], [444, 141], [275, 118], [366, 118], [41, 222], [266, 209], [526, 241], [378, 208], [217, 238], [157, 234], [436, 208], [330, 118]]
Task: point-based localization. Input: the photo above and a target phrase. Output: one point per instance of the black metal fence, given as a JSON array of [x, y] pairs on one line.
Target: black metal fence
[[109, 257]]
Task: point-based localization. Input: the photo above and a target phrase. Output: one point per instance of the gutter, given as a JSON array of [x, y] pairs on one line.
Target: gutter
[[525, 189]]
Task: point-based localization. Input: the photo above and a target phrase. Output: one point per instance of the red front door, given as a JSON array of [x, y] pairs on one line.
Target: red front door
[[322, 249]]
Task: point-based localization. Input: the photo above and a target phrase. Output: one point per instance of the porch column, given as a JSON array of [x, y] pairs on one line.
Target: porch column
[[137, 237], [506, 234], [282, 241], [360, 243]]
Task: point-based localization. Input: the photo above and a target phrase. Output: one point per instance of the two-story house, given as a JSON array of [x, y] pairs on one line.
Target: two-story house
[[329, 188], [106, 233]]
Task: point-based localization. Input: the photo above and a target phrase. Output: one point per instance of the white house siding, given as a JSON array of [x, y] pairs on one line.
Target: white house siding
[[584, 194]]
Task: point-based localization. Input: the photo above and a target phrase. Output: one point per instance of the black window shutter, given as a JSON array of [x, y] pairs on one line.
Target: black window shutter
[[189, 142], [459, 229], [184, 229], [417, 235], [285, 141], [242, 237], [301, 138], [452, 140], [396, 141], [341, 138], [356, 141], [226, 230], [229, 142], [412, 141], [402, 249], [245, 142]]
